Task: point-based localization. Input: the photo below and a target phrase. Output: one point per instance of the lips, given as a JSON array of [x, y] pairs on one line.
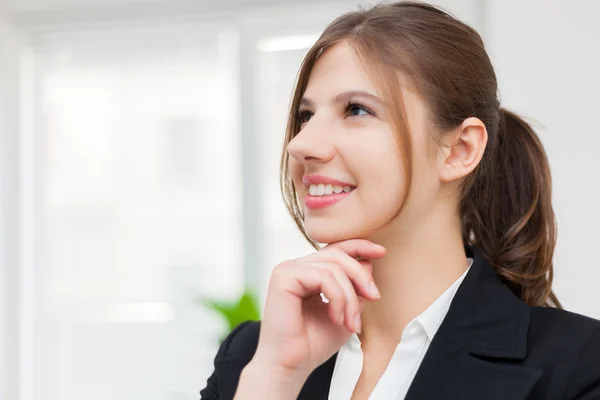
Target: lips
[[324, 191], [318, 202]]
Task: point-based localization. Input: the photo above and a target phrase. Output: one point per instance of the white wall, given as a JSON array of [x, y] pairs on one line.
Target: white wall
[[8, 201], [547, 57]]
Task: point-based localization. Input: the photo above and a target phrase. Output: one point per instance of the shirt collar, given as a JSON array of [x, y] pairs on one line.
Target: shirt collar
[[430, 319]]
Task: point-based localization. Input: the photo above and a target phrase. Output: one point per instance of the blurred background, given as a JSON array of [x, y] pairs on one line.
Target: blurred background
[[139, 155]]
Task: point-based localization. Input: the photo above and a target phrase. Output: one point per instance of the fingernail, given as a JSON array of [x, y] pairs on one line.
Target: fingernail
[[379, 247], [373, 290], [357, 325], [342, 317]]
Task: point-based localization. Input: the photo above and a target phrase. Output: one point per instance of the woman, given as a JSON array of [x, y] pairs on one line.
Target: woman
[[435, 204]]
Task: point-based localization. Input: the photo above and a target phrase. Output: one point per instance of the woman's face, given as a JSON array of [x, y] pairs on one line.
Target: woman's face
[[345, 161]]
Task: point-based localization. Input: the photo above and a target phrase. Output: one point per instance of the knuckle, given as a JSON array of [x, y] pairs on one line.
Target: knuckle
[[336, 253], [279, 271], [336, 294], [326, 273], [336, 268], [337, 250], [343, 256], [283, 264]]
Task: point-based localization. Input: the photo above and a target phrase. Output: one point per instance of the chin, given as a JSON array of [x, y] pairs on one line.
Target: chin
[[330, 233]]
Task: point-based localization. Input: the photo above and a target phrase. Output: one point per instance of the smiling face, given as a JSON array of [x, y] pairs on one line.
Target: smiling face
[[346, 162]]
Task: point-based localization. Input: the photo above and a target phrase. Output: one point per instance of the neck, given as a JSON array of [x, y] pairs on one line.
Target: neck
[[418, 267]]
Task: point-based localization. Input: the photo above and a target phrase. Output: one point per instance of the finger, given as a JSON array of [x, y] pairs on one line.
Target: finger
[[356, 248], [357, 273], [360, 271], [336, 295], [361, 303], [352, 310], [367, 265], [305, 281]]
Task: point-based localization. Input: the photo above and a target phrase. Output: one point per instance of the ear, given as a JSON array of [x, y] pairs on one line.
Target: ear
[[466, 147]]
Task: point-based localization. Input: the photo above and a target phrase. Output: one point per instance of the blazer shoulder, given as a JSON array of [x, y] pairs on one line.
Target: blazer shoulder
[[571, 341], [234, 353], [567, 331], [242, 341], [566, 324]]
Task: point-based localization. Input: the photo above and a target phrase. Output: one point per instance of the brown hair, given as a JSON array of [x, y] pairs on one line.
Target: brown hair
[[505, 204]]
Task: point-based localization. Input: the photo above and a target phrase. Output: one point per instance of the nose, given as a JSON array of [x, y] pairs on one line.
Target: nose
[[311, 144]]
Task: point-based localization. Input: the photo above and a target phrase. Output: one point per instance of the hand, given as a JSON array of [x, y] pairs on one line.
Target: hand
[[298, 330]]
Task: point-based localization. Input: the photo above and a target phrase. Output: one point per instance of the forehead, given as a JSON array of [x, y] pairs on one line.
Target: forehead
[[339, 69]]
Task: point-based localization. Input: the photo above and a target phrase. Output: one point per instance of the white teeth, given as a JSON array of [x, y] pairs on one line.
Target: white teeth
[[327, 189]]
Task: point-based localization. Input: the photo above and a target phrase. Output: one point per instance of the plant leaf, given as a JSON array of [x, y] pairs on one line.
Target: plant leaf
[[244, 309]]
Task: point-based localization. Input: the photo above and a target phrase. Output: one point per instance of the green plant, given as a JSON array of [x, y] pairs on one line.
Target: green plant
[[245, 308]]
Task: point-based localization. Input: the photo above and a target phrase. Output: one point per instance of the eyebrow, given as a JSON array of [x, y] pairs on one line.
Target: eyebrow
[[343, 98]]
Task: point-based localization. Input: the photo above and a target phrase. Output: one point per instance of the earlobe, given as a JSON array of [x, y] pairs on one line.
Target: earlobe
[[466, 150]]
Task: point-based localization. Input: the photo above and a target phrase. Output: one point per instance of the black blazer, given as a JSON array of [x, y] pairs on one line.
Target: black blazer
[[490, 346]]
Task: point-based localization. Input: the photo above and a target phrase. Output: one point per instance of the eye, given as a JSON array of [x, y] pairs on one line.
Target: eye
[[356, 110], [304, 116]]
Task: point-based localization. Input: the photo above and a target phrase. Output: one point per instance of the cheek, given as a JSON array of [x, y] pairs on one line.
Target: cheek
[[296, 171], [380, 174], [383, 189]]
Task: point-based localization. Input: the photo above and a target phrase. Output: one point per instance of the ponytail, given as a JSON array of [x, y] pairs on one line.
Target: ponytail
[[507, 211]]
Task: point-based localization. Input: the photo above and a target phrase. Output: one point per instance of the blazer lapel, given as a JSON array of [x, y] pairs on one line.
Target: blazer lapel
[[478, 350], [449, 372]]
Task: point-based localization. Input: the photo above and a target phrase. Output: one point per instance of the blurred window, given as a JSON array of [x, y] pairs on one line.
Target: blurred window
[[141, 202]]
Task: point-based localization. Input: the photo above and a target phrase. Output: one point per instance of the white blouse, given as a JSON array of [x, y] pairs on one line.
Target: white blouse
[[400, 372]]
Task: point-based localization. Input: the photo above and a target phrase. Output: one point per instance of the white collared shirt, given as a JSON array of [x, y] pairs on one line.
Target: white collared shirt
[[403, 366]]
